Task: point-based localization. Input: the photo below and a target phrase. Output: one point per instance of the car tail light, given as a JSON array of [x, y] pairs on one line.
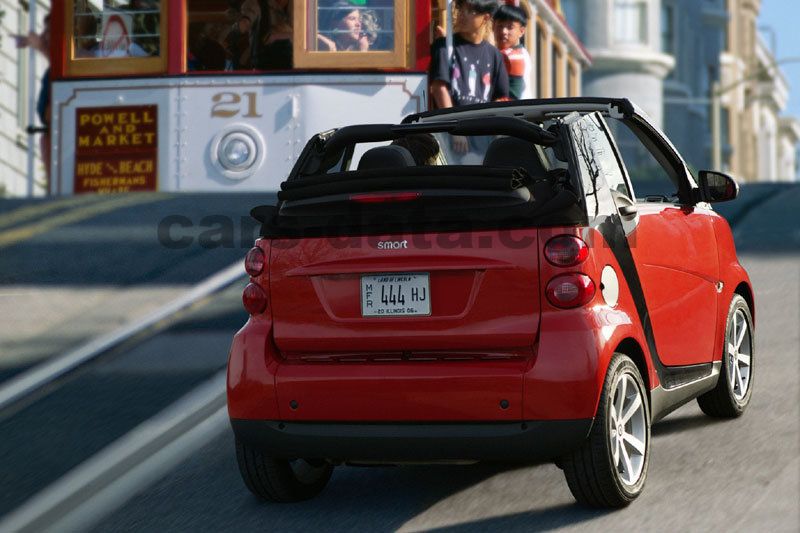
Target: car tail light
[[566, 251], [254, 261], [255, 296], [254, 299], [570, 290], [383, 197]]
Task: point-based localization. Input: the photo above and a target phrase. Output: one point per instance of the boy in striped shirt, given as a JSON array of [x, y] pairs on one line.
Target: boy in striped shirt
[[509, 27]]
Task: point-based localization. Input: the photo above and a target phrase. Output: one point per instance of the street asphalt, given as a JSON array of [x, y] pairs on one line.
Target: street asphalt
[[75, 268], [44, 439], [705, 474], [740, 475]]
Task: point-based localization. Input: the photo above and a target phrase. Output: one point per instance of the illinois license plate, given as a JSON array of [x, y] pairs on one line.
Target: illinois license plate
[[395, 295]]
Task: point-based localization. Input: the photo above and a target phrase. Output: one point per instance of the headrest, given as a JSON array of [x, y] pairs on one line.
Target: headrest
[[514, 152], [386, 157]]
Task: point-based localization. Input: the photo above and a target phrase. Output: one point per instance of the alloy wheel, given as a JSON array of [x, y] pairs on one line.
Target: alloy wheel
[[628, 429], [739, 355]]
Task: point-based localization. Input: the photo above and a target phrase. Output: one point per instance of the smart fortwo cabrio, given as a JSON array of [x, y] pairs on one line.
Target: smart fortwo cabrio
[[547, 294]]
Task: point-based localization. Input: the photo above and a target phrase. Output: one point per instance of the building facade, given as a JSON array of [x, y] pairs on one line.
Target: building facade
[[15, 96], [788, 139], [558, 55], [768, 96], [669, 55], [694, 34], [759, 143], [740, 118], [623, 38]]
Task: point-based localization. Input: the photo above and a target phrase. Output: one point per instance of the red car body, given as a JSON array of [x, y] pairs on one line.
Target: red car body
[[496, 371]]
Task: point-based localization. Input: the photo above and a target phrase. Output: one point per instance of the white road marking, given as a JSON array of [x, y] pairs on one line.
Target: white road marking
[[93, 489], [31, 380]]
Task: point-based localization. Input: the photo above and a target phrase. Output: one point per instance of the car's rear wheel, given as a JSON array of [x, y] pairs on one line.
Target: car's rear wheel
[[610, 469], [732, 394], [281, 480]]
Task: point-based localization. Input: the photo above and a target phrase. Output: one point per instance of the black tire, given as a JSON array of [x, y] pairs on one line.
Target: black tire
[[281, 480], [592, 472], [725, 400]]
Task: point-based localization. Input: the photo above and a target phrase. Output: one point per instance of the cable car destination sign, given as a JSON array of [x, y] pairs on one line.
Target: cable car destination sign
[[116, 149]]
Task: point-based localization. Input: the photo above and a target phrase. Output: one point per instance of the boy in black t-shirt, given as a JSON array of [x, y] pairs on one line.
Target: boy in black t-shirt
[[476, 73]]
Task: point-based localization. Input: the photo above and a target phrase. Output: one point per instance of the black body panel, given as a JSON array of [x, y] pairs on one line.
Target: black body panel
[[532, 440]]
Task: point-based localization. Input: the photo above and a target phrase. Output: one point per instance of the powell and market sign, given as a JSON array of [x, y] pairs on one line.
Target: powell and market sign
[[117, 149]]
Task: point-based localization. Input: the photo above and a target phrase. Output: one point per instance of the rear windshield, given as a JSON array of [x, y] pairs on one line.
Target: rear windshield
[[426, 181]]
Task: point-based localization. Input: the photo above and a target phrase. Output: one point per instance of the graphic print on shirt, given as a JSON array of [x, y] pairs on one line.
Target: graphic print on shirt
[[456, 77], [474, 73], [473, 80], [479, 81], [487, 84]]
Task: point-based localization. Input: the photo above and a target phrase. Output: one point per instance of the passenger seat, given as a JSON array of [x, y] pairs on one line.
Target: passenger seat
[[517, 153], [391, 156]]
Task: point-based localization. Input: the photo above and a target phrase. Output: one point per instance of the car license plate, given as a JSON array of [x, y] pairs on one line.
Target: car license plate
[[395, 295]]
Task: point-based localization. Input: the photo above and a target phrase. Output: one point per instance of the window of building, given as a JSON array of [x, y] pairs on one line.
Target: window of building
[[116, 36], [725, 137], [707, 76], [723, 35], [725, 120], [668, 29], [337, 33], [555, 65], [630, 21]]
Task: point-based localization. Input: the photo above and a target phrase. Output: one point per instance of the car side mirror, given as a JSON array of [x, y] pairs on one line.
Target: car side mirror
[[717, 187]]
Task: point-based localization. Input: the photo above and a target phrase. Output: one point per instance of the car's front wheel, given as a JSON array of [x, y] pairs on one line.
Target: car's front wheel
[[281, 480], [610, 469], [735, 386]]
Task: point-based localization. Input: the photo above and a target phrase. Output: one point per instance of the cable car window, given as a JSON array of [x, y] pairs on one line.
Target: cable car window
[[109, 37], [236, 35], [345, 26], [351, 33], [114, 28]]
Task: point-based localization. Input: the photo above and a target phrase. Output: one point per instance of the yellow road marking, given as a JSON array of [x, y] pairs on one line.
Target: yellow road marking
[[25, 213], [16, 235]]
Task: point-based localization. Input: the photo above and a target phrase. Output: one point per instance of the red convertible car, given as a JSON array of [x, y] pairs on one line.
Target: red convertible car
[[531, 280]]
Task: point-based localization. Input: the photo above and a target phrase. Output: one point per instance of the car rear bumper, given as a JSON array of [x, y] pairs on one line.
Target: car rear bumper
[[530, 440]]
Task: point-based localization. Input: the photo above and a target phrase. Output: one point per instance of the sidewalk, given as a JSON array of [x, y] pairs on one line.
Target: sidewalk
[[39, 322], [72, 269]]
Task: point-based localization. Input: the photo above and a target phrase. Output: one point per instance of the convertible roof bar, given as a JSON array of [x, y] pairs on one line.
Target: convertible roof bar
[[618, 106], [511, 126]]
